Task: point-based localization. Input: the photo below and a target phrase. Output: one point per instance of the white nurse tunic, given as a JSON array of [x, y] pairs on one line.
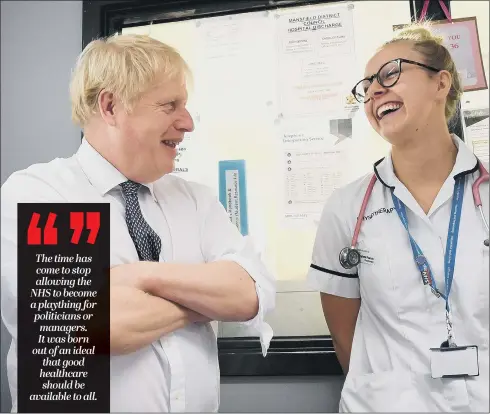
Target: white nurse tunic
[[399, 318]]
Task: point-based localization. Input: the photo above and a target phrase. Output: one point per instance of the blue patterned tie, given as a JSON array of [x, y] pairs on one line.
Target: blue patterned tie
[[147, 242]]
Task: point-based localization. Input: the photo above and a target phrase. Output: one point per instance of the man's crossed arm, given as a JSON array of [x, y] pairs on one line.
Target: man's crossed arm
[[149, 300]]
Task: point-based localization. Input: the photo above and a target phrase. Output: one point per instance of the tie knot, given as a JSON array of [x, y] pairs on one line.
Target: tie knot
[[130, 188]]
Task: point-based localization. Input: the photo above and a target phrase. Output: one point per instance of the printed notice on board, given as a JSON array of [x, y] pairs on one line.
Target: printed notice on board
[[316, 57], [226, 45], [477, 132], [311, 176], [63, 337], [314, 158], [233, 194], [232, 197]]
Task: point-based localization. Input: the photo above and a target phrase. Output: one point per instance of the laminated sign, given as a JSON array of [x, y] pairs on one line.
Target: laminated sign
[[233, 192]]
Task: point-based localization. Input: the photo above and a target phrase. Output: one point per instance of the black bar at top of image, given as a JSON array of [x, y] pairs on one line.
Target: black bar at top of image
[[63, 337]]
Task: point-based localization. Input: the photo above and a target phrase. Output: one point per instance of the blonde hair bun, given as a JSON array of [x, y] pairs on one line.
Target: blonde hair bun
[[418, 32]]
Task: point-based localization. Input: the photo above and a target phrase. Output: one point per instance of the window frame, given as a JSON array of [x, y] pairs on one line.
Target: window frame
[[293, 355]]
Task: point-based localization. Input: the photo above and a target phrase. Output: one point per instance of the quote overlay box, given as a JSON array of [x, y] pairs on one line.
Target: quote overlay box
[[63, 340]]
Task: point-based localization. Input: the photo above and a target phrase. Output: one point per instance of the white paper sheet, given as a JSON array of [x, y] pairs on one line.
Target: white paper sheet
[[316, 59], [310, 178], [235, 64], [477, 132], [314, 156]]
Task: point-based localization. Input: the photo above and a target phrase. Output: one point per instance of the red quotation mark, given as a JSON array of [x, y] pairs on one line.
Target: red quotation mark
[[77, 225], [34, 231]]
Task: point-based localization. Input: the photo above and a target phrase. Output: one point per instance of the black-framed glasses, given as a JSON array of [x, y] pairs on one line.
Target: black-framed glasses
[[387, 77]]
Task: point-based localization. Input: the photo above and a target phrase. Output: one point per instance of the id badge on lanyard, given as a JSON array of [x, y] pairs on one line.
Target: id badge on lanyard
[[449, 360]]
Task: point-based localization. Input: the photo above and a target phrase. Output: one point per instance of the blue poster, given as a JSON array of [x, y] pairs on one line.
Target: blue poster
[[233, 192]]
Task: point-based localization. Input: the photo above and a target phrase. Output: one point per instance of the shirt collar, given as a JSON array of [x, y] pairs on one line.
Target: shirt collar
[[466, 163], [100, 172]]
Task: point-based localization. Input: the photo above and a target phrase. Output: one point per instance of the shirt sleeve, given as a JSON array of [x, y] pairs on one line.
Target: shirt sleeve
[[326, 274], [221, 240]]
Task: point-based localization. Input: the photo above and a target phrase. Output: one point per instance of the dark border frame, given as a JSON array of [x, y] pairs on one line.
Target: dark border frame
[[313, 355]]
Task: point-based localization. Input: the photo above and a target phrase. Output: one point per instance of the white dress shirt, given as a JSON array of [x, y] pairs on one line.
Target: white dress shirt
[[399, 318], [180, 371]]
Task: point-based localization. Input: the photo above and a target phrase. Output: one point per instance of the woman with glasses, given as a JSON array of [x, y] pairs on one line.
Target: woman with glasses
[[407, 305]]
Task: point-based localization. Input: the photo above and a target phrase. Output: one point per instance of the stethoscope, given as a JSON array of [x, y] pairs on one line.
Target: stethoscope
[[350, 257]]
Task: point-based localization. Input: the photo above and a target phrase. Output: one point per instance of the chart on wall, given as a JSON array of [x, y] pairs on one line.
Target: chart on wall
[[314, 158]]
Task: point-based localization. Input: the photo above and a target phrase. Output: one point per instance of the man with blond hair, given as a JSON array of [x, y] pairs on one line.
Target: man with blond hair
[[177, 262]]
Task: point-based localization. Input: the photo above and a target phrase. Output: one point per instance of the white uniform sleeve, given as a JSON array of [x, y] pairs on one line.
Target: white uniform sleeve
[[326, 274], [221, 240]]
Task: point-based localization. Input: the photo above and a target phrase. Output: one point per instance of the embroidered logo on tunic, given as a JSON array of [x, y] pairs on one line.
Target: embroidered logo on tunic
[[380, 211]]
